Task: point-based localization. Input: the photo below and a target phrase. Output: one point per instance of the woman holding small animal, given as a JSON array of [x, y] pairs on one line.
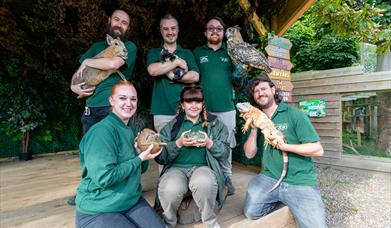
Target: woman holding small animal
[[109, 194], [196, 142]]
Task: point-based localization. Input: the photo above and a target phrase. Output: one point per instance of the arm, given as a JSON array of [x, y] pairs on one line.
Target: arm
[[113, 63], [171, 150], [217, 144], [162, 68], [190, 77], [250, 146], [314, 149], [101, 159]]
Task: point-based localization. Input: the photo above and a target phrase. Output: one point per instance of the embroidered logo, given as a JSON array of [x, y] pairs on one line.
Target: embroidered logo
[[204, 59], [282, 127], [224, 59]]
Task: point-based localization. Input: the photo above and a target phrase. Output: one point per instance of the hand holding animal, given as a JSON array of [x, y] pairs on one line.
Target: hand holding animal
[[93, 76], [167, 56], [258, 119]]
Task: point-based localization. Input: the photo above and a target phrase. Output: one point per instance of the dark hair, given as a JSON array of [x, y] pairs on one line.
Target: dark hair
[[191, 93], [219, 19], [254, 82]]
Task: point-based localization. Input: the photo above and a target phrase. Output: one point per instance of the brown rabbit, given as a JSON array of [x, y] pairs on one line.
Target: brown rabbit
[[92, 76]]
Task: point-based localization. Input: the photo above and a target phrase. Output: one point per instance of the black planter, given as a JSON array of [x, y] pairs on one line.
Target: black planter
[[25, 156]]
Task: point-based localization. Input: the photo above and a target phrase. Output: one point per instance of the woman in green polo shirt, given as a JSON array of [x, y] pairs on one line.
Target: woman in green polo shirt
[[191, 164], [109, 194]]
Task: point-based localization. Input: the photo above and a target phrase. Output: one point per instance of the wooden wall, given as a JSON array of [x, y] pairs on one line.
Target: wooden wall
[[331, 85]]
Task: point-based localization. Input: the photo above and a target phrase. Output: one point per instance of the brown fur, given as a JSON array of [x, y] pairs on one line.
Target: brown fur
[[92, 76]]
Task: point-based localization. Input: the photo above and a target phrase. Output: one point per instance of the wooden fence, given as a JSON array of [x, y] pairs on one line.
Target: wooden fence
[[331, 85]]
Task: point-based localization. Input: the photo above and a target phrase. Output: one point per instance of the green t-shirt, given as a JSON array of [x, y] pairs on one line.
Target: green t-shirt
[[165, 95], [190, 156], [100, 97], [111, 168], [215, 78], [297, 129]]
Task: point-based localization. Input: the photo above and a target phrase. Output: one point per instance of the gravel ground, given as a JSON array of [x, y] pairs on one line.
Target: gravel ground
[[355, 198]]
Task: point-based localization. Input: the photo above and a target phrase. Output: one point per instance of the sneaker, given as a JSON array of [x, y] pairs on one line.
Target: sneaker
[[230, 186], [71, 200]]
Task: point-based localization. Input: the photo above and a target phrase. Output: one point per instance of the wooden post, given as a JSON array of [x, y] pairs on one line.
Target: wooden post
[[253, 18]]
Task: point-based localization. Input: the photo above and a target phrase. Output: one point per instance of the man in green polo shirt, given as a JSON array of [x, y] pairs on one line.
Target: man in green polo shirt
[[97, 104], [299, 187], [166, 88], [216, 71]]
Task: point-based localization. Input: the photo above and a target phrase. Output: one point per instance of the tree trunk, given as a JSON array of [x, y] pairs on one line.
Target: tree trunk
[[384, 112]]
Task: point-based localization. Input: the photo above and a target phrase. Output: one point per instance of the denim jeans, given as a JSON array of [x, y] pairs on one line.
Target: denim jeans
[[140, 215], [93, 115], [304, 202]]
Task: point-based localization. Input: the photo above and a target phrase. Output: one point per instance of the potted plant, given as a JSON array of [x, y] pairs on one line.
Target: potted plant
[[23, 117]]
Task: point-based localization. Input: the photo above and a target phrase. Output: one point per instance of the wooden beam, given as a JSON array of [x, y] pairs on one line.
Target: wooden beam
[[253, 18], [292, 11]]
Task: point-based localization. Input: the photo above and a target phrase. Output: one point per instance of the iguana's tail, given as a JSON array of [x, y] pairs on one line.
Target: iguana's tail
[[284, 169]]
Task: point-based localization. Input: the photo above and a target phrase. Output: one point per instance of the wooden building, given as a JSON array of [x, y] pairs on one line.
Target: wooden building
[[332, 85]]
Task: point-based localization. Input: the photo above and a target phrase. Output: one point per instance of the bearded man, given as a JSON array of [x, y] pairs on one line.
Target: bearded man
[[97, 104], [217, 75]]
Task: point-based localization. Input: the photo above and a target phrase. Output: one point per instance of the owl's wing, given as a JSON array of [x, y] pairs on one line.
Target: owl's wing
[[249, 55]]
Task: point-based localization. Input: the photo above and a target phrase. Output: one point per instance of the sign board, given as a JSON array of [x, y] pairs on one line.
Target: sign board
[[286, 96], [280, 74], [278, 52], [280, 63], [283, 85], [313, 108], [280, 42]]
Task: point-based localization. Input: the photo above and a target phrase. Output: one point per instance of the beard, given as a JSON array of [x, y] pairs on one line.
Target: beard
[[113, 32], [215, 40]]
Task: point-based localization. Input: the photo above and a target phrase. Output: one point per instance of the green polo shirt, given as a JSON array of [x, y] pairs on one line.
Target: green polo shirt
[[297, 129], [215, 78], [111, 168], [190, 156], [165, 95], [100, 97]]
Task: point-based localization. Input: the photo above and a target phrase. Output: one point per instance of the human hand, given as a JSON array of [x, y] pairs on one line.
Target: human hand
[[206, 142], [146, 154], [78, 89], [183, 141], [181, 63]]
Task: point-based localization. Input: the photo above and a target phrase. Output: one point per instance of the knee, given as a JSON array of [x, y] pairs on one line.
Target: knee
[[171, 191], [203, 184], [250, 213]]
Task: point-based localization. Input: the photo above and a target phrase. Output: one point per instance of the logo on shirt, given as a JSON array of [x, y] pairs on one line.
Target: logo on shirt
[[204, 59], [224, 59], [282, 127]]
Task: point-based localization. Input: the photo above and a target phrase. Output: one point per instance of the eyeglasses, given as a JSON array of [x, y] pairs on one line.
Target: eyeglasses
[[215, 29]]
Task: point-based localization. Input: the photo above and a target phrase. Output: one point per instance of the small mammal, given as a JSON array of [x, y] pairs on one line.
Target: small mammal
[[92, 76]]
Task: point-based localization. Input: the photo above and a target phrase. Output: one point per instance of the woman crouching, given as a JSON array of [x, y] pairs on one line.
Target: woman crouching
[[109, 194]]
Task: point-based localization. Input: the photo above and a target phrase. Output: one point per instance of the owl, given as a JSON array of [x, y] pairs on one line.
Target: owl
[[244, 53]]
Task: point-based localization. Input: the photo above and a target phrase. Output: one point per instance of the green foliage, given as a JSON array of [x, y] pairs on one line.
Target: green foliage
[[366, 20], [41, 42], [317, 48]]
